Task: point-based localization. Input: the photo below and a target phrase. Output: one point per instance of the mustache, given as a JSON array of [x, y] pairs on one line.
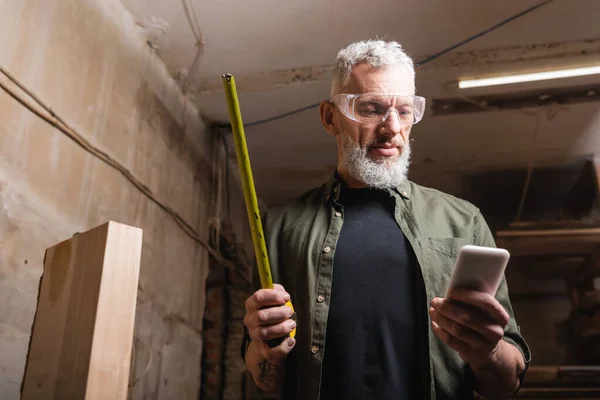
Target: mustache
[[384, 141]]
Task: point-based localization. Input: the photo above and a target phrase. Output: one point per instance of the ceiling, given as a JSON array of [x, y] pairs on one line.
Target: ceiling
[[281, 55]]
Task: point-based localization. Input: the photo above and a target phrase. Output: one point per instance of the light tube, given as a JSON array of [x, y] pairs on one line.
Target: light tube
[[536, 76]]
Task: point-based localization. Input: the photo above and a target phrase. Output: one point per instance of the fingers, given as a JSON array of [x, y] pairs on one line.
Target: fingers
[[451, 341], [484, 302], [460, 333], [267, 317], [277, 287], [264, 333], [276, 354], [267, 298], [269, 323], [471, 318]]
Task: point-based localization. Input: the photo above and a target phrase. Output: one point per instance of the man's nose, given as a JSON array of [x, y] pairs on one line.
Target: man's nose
[[392, 124]]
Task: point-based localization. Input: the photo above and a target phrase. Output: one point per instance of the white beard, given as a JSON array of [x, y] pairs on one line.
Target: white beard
[[383, 174]]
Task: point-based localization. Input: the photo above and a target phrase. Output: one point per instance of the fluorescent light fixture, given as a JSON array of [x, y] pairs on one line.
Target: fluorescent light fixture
[[536, 76]]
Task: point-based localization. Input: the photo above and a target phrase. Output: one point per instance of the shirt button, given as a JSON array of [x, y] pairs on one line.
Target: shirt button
[[320, 298], [327, 249], [404, 194], [314, 349], [338, 214]]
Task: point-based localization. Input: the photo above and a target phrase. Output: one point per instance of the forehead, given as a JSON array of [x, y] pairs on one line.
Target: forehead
[[392, 79]]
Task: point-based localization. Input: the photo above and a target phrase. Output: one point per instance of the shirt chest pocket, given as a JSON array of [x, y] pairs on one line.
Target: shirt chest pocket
[[439, 257]]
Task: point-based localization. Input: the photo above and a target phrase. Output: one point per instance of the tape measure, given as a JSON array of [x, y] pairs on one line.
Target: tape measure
[[241, 150]]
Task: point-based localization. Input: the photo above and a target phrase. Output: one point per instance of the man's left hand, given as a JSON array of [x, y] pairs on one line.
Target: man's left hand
[[470, 322]]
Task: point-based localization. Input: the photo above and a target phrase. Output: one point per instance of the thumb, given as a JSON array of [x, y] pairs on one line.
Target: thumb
[[279, 353]]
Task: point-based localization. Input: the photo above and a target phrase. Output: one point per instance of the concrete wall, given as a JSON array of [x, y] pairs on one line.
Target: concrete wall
[[89, 61]]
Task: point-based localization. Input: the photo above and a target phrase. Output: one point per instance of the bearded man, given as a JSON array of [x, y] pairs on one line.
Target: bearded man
[[366, 259]]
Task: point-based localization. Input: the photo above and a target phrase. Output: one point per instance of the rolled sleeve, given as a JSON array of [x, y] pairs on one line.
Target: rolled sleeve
[[512, 334]]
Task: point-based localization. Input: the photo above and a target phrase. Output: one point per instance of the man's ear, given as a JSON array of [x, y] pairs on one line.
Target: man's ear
[[327, 117]]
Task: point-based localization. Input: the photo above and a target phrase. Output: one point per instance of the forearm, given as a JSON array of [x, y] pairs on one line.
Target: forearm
[[267, 376], [498, 378]]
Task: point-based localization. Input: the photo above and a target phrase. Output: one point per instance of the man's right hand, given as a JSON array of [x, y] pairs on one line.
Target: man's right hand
[[267, 317]]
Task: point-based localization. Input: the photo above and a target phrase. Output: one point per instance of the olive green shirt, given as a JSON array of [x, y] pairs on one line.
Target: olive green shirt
[[301, 241]]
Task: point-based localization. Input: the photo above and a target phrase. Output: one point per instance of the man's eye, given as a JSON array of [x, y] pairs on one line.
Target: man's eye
[[372, 110]]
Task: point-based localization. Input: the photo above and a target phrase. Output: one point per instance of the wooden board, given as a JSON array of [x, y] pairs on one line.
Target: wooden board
[[549, 242], [591, 266], [597, 169], [572, 393], [83, 329], [560, 382]]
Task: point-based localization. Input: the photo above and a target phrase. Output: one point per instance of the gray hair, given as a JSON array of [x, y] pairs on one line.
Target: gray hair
[[376, 53]]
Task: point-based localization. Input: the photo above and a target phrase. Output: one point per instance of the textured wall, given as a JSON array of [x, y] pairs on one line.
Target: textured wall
[[88, 60], [223, 367]]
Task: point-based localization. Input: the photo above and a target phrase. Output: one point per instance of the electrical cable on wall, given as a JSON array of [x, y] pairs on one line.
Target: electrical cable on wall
[[418, 64], [220, 203], [220, 161], [192, 17], [57, 122]]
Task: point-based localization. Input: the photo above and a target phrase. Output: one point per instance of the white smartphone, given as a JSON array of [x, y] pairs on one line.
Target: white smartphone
[[479, 268]]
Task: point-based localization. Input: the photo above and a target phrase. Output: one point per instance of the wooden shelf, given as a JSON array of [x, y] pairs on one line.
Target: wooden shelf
[[549, 242], [561, 382]]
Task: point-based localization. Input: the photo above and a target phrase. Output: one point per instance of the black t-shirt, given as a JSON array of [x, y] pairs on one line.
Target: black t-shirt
[[372, 347]]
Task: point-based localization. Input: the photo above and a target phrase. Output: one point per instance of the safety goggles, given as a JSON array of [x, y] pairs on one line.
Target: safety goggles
[[375, 108]]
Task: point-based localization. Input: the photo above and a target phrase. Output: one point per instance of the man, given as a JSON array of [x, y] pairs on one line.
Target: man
[[366, 259]]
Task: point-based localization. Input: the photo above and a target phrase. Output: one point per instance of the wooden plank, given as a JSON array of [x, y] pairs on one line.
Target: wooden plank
[[558, 393], [597, 169], [590, 300], [556, 267], [554, 225], [541, 374], [563, 233], [551, 242], [591, 266], [83, 329], [559, 376]]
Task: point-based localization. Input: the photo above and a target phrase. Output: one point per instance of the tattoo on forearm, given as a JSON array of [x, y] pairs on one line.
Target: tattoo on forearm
[[267, 372]]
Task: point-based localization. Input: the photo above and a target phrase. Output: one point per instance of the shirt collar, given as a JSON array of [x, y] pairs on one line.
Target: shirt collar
[[333, 187]]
